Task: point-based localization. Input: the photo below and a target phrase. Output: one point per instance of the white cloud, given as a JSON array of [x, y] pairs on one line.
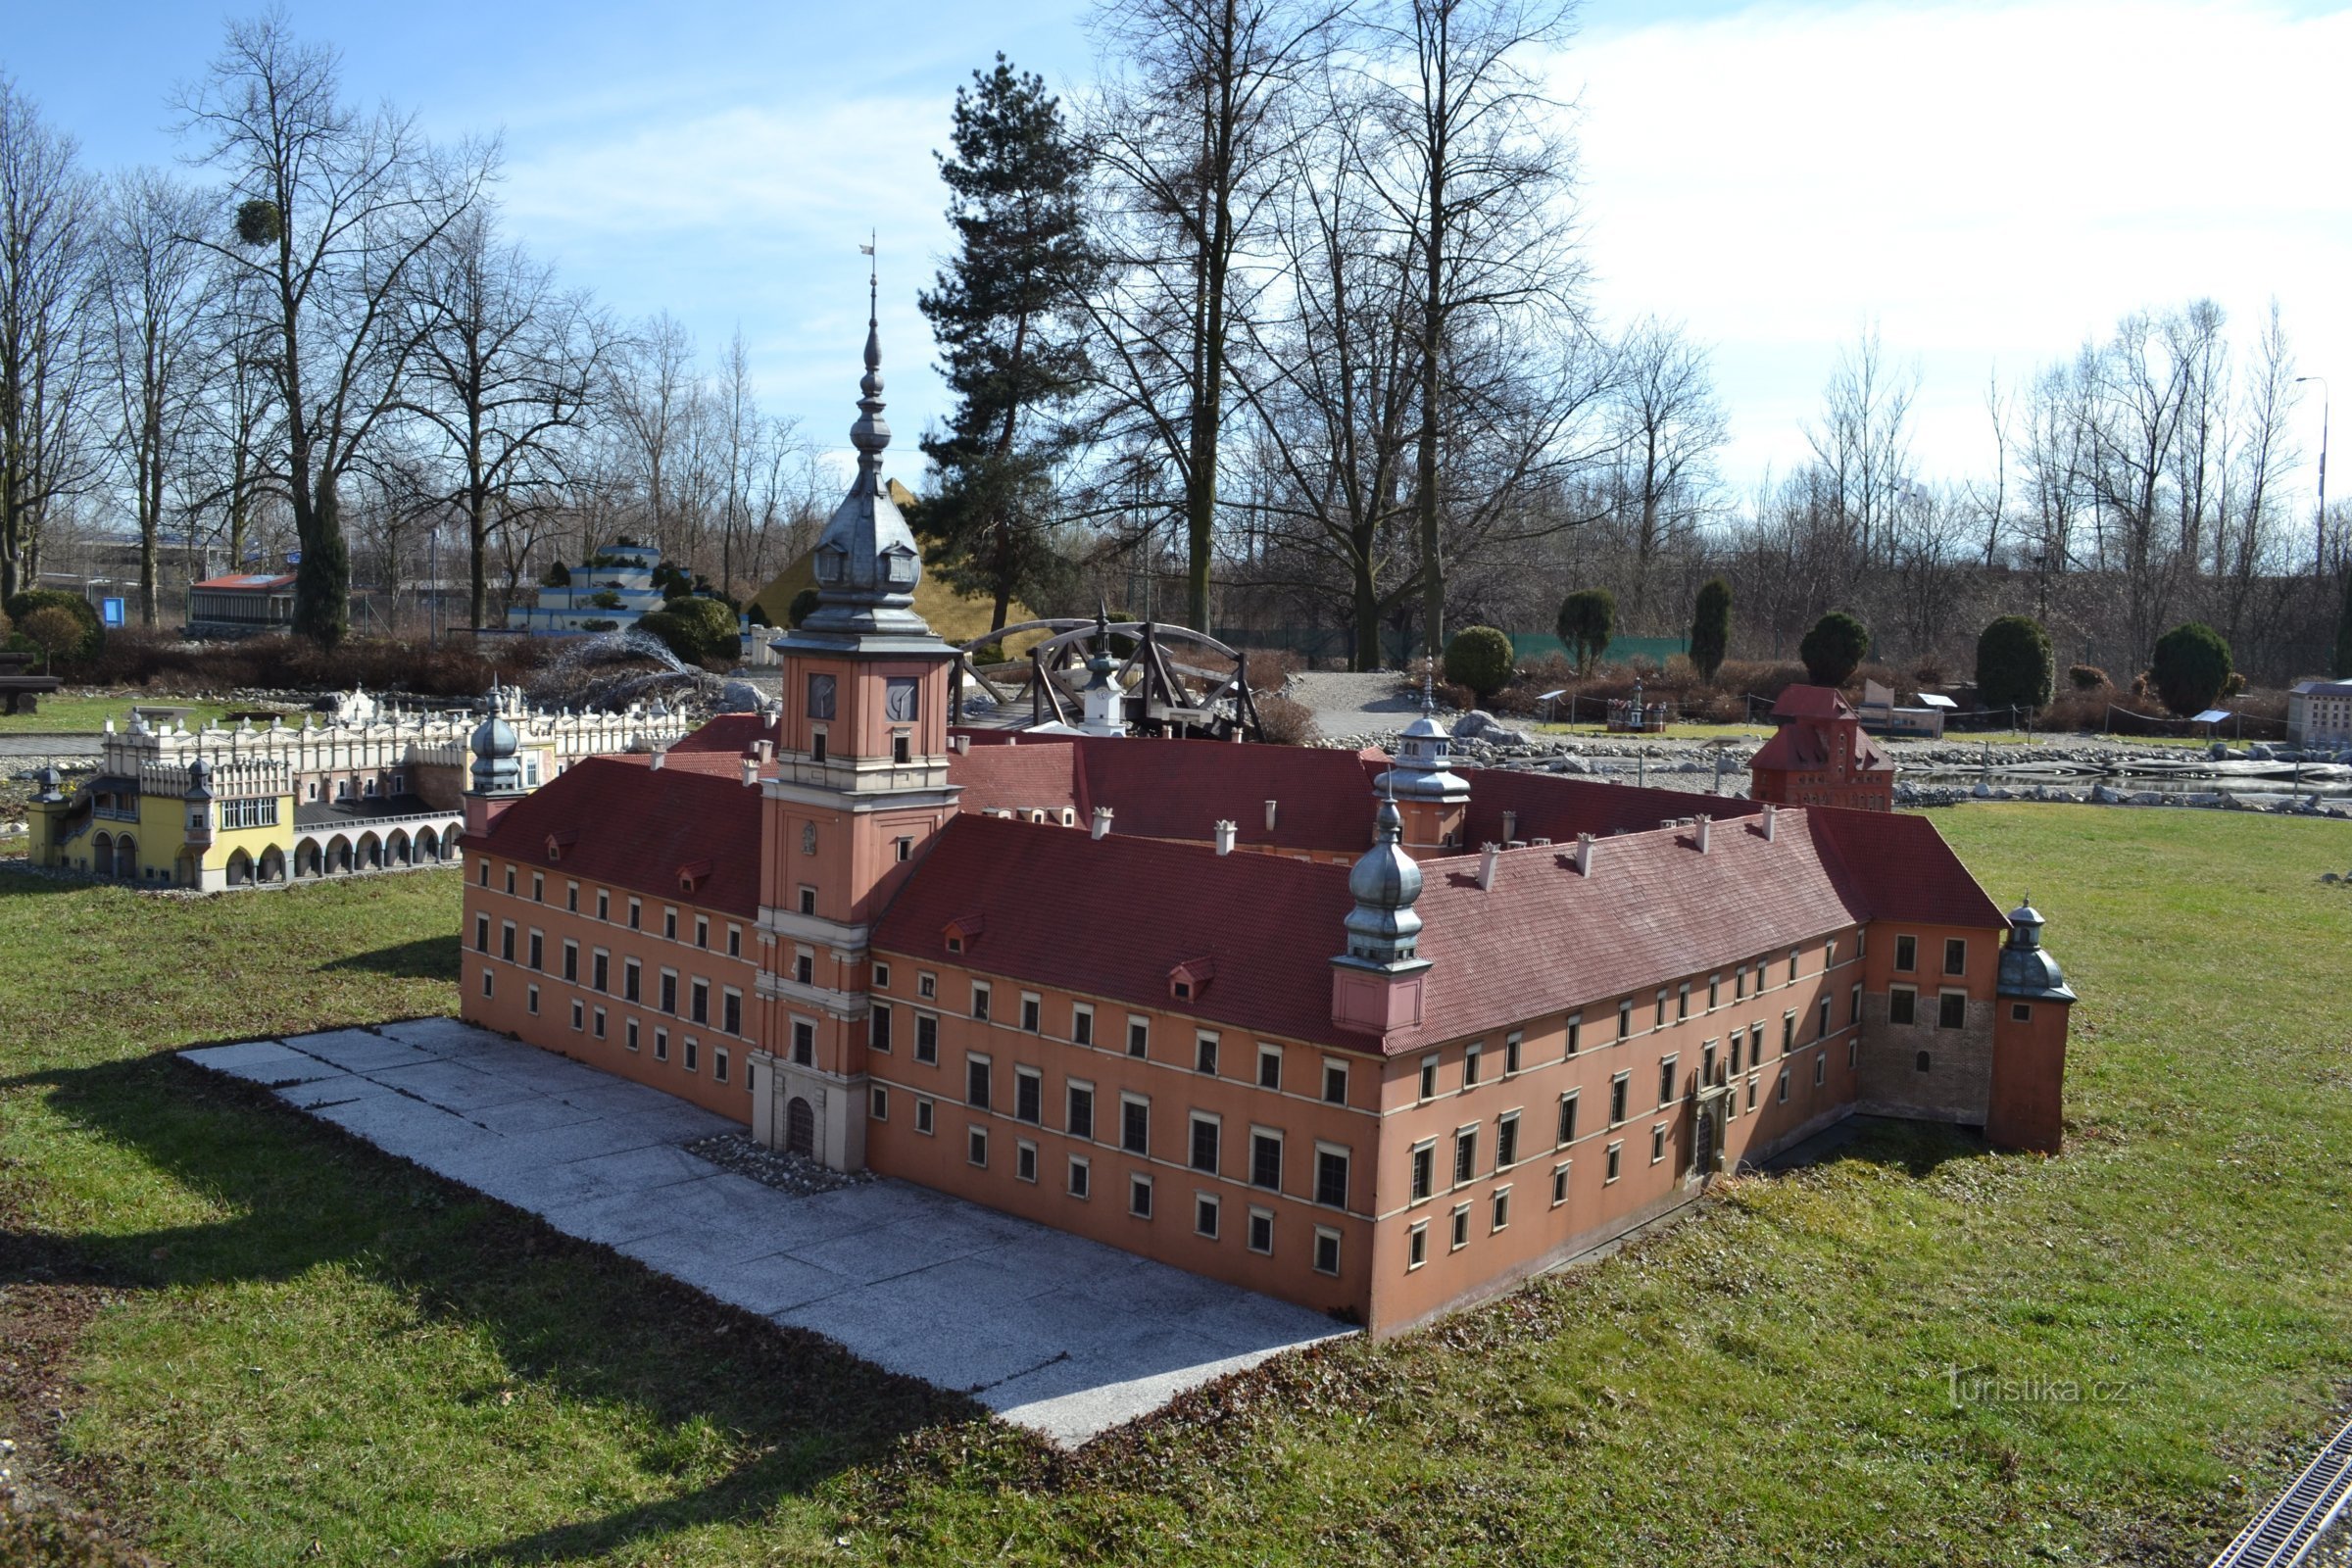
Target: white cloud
[[1992, 182]]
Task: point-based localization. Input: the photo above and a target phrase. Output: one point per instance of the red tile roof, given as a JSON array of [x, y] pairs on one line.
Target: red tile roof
[[1553, 806], [1123, 913], [636, 827], [731, 733], [248, 581], [1803, 745], [1811, 702], [1169, 789], [1032, 774]]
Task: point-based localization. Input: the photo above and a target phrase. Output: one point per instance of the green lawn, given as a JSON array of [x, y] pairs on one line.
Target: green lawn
[[83, 713], [311, 1352]]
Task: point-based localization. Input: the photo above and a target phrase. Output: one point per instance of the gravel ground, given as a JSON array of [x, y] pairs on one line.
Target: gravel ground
[[789, 1173]]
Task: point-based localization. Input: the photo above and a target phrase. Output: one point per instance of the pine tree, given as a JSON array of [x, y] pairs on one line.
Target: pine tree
[[1711, 627], [1015, 203]]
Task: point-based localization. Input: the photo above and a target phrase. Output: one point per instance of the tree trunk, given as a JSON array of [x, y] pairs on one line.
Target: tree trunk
[[1365, 655]]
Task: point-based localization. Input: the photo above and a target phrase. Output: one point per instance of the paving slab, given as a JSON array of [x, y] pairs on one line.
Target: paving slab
[[1063, 1335]]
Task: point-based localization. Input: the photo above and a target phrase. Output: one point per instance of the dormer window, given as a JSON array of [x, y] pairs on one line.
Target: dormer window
[[899, 567], [1191, 977], [962, 932], [832, 561], [692, 875]]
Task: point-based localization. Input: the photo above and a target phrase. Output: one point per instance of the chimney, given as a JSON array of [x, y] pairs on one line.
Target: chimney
[[750, 771], [1488, 855], [763, 750], [1510, 826], [1270, 805], [1538, 843], [1583, 855], [1101, 826], [1704, 824], [1769, 811], [1225, 831], [961, 744], [656, 763]]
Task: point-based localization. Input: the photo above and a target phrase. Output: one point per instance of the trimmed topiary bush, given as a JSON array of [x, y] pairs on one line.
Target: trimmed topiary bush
[[54, 631], [2190, 669], [1834, 649], [2086, 677], [1710, 627], [1480, 657], [2015, 668], [22, 608], [1588, 620], [696, 630]]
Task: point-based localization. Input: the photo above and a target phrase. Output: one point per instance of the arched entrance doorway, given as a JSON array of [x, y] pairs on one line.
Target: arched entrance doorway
[[800, 1127]]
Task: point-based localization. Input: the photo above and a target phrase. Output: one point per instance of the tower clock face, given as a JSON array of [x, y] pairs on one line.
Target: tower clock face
[[820, 697], [899, 700]]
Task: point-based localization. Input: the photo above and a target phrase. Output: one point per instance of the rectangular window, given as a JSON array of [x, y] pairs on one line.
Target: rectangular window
[[1135, 1124], [926, 985], [1659, 1021], [1625, 1020], [1428, 1077], [700, 998], [1681, 1002], [1139, 1036], [669, 991], [1788, 1031], [1266, 1160], [1139, 1196], [881, 977], [734, 942], [1331, 1176], [538, 949], [926, 1038], [510, 879], [1820, 1022], [877, 1103], [976, 1082], [730, 1012], [1657, 1144], [482, 867], [1335, 1083], [604, 905], [1559, 1184], [924, 1111], [1821, 1067], [1424, 1170], [1666, 1071], [1780, 1094], [1951, 1009], [1739, 984], [531, 1000], [1417, 1247], [1080, 1120], [1462, 1227], [629, 1034], [1616, 1163], [804, 1043], [1506, 1141], [1906, 955], [600, 970], [1033, 1013], [1082, 1177], [1269, 1067], [1204, 1053], [1261, 1232], [980, 1000], [1326, 1250], [808, 899], [1082, 1025], [1471, 1064], [579, 1017], [1205, 1215], [1576, 1029], [1568, 1105], [571, 897], [1902, 1004], [481, 933], [1204, 1142], [877, 1029], [1503, 1211], [538, 884], [719, 1065], [975, 1145], [1024, 1160], [701, 932], [1955, 955], [1465, 1154], [670, 925], [1706, 1063], [2020, 1012], [1028, 1094], [631, 979], [1617, 1098], [1755, 1046], [803, 967], [1853, 1007], [693, 1052], [1714, 992], [636, 915], [1792, 956], [1737, 1039]]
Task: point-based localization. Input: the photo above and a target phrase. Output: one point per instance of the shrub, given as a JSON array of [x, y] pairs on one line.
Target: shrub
[[604, 599], [54, 631], [1710, 627], [2191, 666], [1833, 649], [557, 575], [258, 222], [1479, 658], [599, 624], [2086, 677], [698, 630], [2015, 668], [1268, 669], [1587, 620], [1283, 722], [803, 606], [757, 615], [2236, 685], [22, 608]]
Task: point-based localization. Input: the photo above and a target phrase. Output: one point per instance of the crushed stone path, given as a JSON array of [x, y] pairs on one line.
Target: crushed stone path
[[1064, 1336]]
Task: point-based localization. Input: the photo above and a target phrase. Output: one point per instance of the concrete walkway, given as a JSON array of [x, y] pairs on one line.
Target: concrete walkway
[[1064, 1336]]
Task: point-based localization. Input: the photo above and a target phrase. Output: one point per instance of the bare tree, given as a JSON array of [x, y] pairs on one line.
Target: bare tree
[[1670, 426], [507, 367], [158, 289], [334, 211], [1863, 445], [656, 398], [48, 234], [1189, 141], [1480, 182]]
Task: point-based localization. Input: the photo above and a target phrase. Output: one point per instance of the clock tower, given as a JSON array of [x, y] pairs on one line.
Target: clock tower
[[859, 788]]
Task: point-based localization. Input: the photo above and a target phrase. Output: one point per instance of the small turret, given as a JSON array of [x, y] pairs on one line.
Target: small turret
[[2026, 968], [2026, 1107], [1436, 799], [1376, 984], [1102, 699], [497, 771]]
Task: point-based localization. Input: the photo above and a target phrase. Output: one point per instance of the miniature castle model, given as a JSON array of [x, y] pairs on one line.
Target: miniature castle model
[[375, 787], [1821, 755], [615, 589], [1161, 994]]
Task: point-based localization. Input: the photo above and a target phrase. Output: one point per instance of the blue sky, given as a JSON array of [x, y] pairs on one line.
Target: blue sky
[[1990, 182]]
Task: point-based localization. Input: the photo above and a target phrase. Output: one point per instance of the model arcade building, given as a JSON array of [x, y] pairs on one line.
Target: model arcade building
[[1160, 994]]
